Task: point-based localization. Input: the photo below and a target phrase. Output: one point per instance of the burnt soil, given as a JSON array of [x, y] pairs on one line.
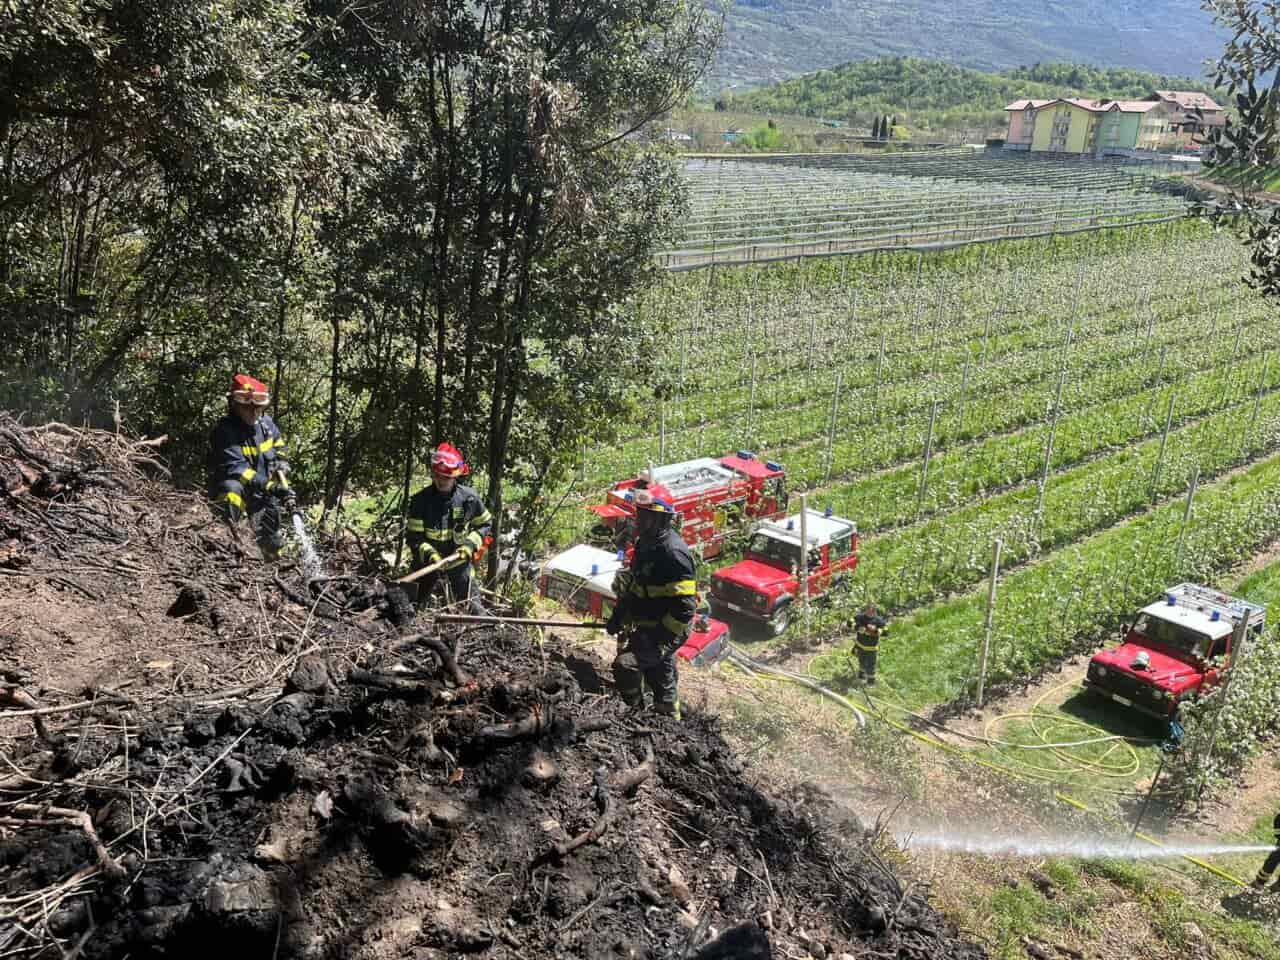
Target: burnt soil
[[276, 768]]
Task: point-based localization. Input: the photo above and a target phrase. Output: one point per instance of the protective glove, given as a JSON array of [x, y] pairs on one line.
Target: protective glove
[[257, 483], [613, 626], [457, 559], [427, 555]]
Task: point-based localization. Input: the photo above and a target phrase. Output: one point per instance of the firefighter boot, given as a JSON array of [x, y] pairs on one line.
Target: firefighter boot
[[628, 679], [668, 709]]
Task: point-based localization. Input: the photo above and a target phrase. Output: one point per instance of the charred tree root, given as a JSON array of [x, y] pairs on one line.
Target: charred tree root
[[608, 809], [41, 816], [437, 646], [629, 781], [17, 697]]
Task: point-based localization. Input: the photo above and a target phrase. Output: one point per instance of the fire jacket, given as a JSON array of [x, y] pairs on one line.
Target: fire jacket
[[660, 590], [440, 524], [249, 455], [869, 630]]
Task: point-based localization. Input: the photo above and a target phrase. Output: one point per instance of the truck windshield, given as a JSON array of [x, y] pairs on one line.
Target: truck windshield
[[776, 553], [1172, 635]]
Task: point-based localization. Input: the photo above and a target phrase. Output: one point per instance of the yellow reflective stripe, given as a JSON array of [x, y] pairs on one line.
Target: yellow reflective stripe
[[674, 625], [676, 588], [431, 533], [267, 445], [249, 451], [248, 475], [481, 519], [234, 498], [414, 525], [865, 648]]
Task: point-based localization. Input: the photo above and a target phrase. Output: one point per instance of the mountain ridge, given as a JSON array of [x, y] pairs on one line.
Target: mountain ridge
[[771, 40]]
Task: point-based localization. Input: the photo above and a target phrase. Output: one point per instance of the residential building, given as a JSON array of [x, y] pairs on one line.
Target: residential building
[[1068, 125], [1022, 121], [1192, 115]]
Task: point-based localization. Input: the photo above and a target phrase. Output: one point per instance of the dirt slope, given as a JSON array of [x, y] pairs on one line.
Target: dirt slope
[[277, 769]]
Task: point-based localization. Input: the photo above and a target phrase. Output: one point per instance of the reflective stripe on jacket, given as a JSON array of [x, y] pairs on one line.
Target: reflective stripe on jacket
[[248, 455], [661, 589], [445, 523]]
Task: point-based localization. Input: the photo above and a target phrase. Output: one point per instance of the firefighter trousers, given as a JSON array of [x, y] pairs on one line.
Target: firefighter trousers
[[867, 658], [1268, 871], [232, 502], [644, 658]]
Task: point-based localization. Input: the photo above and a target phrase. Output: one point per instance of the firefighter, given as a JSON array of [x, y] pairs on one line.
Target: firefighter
[[657, 597], [869, 627], [1268, 871], [448, 521], [248, 465]]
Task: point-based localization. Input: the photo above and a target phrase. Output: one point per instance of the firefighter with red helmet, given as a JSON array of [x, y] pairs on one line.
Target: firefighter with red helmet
[[448, 521], [657, 598], [1267, 874], [248, 464]]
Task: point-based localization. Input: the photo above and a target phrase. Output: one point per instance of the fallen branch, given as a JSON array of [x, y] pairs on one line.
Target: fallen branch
[[607, 810], [41, 816], [437, 646]]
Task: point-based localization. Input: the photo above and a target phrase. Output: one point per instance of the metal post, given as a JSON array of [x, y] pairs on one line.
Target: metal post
[[662, 430], [1237, 655], [1164, 442], [964, 392], [997, 546], [804, 560], [986, 333], [1053, 431], [875, 399], [751, 403], [1150, 793], [1160, 369], [831, 430], [1186, 518], [928, 453], [1257, 402]]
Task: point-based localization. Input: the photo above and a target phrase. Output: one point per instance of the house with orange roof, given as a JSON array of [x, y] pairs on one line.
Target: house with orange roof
[[1193, 114], [1022, 121]]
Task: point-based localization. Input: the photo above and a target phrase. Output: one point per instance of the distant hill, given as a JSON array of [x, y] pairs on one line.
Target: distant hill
[[940, 96], [770, 40]]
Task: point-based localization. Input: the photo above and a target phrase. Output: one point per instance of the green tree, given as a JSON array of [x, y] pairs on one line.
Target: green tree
[[1249, 145]]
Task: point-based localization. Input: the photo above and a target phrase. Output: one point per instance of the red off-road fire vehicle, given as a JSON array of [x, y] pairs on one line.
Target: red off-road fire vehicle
[[581, 579], [1177, 646], [712, 498], [764, 584]]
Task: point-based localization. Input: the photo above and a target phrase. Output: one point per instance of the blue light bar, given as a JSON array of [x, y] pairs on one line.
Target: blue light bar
[[772, 465], [746, 455], [791, 524], [827, 512], [595, 568]]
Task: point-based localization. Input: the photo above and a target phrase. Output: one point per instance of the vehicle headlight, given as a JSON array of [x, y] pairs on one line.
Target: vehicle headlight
[[1100, 671], [760, 600]]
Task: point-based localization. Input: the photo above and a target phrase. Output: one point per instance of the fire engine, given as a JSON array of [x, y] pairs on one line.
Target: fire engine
[[764, 584], [1177, 646], [581, 579], [711, 499]]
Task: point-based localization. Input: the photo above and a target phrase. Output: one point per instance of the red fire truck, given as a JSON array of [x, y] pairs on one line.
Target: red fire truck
[[764, 583], [1176, 647], [712, 498]]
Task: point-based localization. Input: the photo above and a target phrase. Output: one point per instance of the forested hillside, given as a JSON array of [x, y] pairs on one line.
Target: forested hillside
[[769, 40], [929, 94]]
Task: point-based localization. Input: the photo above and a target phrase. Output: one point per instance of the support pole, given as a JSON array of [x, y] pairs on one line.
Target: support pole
[[996, 547], [928, 454], [831, 430], [751, 404], [1147, 800], [1186, 518], [964, 394], [1053, 432], [875, 401], [1257, 405], [1164, 442], [1238, 643], [804, 560]]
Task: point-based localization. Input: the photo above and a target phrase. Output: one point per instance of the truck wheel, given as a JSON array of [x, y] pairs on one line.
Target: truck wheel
[[781, 620]]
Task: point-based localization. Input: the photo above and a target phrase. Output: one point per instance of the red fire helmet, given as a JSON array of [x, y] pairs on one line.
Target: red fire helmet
[[245, 389], [446, 461]]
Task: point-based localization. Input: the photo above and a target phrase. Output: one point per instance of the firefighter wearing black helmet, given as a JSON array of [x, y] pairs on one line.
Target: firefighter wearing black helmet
[[657, 597], [1268, 872]]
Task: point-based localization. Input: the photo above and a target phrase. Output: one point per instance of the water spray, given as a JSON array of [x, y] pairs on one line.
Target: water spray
[[310, 561], [996, 846]]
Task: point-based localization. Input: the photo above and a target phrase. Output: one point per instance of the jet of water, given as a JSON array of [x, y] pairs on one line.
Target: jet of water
[[995, 846], [310, 562]]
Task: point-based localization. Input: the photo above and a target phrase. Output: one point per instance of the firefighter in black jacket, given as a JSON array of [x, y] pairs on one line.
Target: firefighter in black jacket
[[248, 464], [869, 627], [1268, 871], [448, 521], [656, 601]]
